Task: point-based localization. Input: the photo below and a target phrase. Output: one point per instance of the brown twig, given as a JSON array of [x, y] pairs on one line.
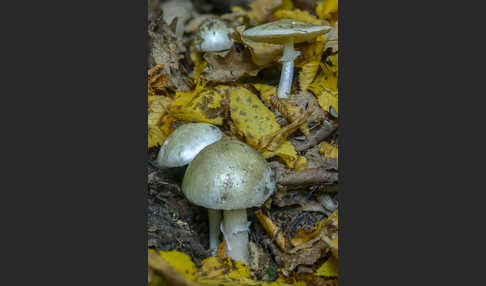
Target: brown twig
[[308, 177]]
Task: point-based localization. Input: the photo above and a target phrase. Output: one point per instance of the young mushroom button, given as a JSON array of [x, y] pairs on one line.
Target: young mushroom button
[[285, 32], [180, 148], [230, 175], [213, 36]]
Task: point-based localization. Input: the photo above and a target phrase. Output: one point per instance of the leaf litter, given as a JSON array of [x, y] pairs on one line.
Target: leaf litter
[[294, 235]]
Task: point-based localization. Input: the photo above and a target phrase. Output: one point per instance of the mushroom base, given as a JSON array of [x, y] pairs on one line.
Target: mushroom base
[[236, 234]]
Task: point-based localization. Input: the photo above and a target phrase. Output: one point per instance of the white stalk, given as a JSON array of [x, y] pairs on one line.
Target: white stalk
[[214, 221], [287, 74], [236, 234]]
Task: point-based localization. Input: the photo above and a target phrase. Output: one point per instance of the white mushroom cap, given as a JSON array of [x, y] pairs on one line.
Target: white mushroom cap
[[280, 31], [186, 142], [228, 175], [213, 36]]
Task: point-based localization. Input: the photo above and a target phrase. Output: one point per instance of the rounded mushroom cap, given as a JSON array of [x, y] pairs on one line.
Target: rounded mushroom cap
[[280, 31], [213, 36], [228, 175], [186, 142]]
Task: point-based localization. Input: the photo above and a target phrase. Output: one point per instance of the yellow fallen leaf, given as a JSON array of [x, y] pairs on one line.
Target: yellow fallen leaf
[[328, 268], [311, 52], [300, 163], [181, 263], [206, 105], [297, 15], [216, 267], [328, 150], [254, 120], [266, 91], [328, 9], [307, 74], [158, 121], [325, 87]]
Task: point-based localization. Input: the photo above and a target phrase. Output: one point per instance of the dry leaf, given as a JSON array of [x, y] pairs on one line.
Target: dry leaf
[[266, 91], [300, 163], [307, 74], [328, 150], [254, 120], [297, 15], [203, 105], [325, 86], [158, 121], [229, 65], [328, 9], [165, 49], [311, 52]]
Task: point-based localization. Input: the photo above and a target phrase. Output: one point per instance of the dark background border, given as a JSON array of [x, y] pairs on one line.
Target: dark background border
[[75, 80]]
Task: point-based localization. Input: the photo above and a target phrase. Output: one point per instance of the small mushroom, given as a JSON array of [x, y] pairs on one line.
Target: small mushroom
[[180, 148], [230, 175], [285, 32], [214, 35], [185, 142]]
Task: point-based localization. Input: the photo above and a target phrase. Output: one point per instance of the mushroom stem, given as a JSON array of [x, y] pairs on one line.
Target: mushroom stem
[[214, 221], [287, 74], [236, 234]]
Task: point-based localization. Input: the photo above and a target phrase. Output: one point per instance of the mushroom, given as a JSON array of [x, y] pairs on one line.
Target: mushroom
[[285, 32], [230, 175], [213, 36], [180, 148], [185, 142]]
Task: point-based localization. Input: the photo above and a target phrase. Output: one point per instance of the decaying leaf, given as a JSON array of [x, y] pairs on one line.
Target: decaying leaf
[[311, 250], [228, 66], [255, 121], [273, 230], [158, 122], [307, 74], [325, 87], [311, 52], [266, 91], [328, 9], [156, 82], [271, 142], [202, 105], [290, 111], [166, 49]]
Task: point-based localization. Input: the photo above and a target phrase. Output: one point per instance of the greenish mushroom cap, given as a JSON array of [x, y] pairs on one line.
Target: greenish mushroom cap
[[280, 31], [228, 175]]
